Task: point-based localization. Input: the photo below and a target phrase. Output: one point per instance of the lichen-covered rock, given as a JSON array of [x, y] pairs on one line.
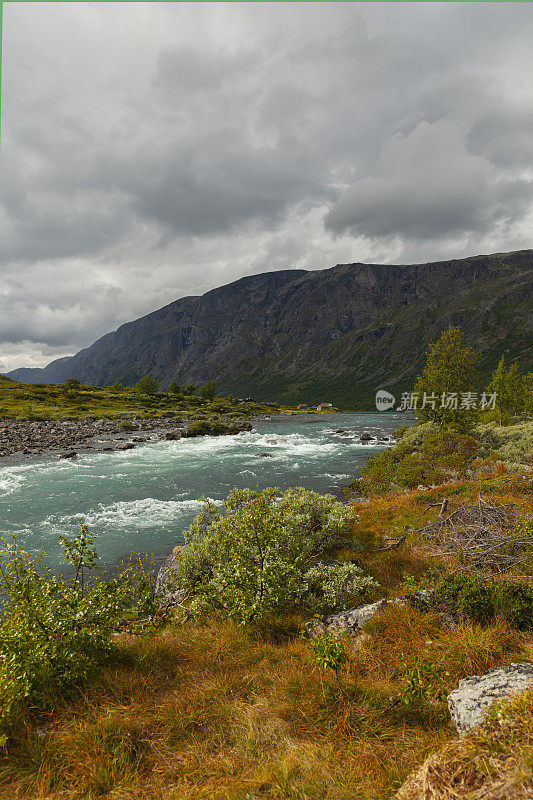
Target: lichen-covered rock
[[350, 621], [476, 694], [353, 619], [167, 591]]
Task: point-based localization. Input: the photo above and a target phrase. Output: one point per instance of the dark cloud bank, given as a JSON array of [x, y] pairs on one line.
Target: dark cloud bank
[[156, 150]]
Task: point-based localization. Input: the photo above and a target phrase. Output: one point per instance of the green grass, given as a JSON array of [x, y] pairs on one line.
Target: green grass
[[53, 401]]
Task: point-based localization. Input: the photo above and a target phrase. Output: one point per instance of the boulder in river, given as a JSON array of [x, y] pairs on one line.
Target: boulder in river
[[365, 437]]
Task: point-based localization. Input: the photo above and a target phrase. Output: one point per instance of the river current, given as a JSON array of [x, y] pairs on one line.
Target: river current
[[143, 499]]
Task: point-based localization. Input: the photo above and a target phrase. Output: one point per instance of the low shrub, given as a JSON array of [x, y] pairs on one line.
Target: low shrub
[[470, 599], [54, 631], [206, 427], [424, 455], [466, 598], [126, 425], [260, 552]]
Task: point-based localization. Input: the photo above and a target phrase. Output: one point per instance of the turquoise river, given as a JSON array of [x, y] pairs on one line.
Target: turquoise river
[[142, 500]]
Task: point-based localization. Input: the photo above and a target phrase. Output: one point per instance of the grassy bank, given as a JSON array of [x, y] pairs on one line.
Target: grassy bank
[[224, 697], [206, 708], [55, 401]]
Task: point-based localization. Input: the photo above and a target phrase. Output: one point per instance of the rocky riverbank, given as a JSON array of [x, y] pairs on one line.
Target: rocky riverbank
[[20, 437]]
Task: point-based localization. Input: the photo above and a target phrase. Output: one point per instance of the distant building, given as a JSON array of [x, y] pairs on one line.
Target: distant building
[[323, 406], [302, 406]]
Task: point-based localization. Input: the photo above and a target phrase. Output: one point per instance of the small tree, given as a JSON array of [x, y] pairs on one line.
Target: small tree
[[147, 385], [54, 631], [72, 385], [450, 370], [329, 653], [511, 389], [207, 390], [174, 388], [190, 388]]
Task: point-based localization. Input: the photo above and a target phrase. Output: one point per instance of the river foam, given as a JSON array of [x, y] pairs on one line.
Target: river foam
[[144, 498]]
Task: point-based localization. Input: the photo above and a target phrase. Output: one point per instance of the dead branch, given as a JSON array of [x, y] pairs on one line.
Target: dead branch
[[485, 535]]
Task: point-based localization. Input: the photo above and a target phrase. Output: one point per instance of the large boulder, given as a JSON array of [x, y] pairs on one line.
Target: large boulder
[[473, 697]]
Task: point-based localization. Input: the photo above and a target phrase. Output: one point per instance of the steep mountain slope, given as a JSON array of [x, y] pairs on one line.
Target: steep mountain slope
[[335, 334]]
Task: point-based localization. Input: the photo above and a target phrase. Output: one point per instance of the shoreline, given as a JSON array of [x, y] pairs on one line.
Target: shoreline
[[26, 441]]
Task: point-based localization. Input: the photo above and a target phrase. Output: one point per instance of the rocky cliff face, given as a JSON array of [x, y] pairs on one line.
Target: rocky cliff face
[[334, 334]]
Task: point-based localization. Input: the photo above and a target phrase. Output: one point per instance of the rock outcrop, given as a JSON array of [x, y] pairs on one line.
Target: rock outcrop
[[473, 697]]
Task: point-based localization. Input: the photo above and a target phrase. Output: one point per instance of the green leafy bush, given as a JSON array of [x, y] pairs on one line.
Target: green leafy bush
[[467, 598], [55, 631], [207, 427], [126, 425], [420, 678], [208, 390], [329, 653], [425, 455], [470, 599], [259, 553], [147, 385], [326, 587]]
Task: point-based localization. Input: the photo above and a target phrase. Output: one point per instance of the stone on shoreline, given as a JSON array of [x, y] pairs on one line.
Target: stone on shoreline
[[169, 594], [27, 436]]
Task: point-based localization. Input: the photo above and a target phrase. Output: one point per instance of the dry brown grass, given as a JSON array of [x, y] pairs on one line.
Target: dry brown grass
[[494, 762], [404, 512], [213, 711]]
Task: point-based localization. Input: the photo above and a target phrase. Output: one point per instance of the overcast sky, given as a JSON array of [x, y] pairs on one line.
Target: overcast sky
[[151, 151]]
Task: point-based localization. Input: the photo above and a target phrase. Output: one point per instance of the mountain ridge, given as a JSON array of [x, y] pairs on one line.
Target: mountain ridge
[[307, 335]]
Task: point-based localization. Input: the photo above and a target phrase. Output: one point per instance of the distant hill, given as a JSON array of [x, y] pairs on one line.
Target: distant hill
[[334, 334]]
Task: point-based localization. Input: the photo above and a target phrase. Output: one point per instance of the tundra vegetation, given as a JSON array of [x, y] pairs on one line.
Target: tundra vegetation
[[73, 400], [223, 697]]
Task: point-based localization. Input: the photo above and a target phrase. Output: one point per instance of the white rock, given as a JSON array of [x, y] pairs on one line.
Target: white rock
[[352, 620], [473, 697]]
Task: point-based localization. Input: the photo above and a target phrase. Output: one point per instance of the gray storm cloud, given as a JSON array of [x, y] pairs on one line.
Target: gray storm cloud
[[155, 150]]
